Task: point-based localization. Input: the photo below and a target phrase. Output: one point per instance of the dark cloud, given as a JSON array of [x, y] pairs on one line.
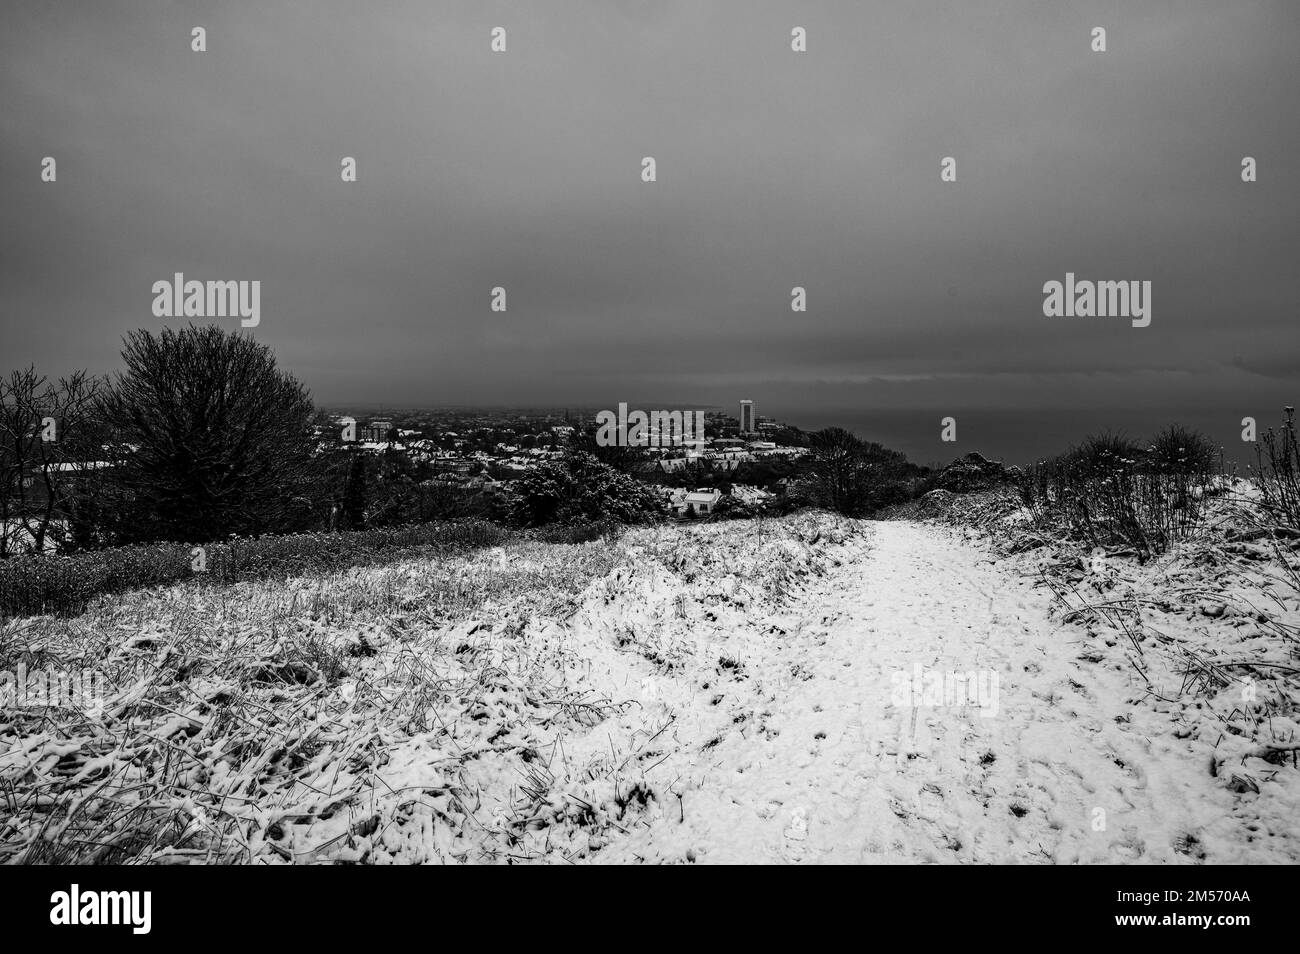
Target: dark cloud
[[775, 169]]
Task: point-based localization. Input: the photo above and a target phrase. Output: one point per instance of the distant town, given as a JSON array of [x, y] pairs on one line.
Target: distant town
[[746, 455]]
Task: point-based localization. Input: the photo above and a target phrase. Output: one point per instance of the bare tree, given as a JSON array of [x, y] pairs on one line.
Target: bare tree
[[221, 439], [49, 440], [840, 470]]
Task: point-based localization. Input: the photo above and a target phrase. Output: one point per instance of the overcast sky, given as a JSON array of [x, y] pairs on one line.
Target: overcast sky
[[775, 169]]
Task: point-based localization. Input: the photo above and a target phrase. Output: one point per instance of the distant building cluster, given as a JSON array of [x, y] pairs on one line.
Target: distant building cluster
[[482, 449]]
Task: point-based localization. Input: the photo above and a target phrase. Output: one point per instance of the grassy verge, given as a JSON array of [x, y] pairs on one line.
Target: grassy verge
[[63, 585]]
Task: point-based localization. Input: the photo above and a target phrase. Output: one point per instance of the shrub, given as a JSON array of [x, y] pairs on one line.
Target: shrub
[[968, 474], [1181, 450], [1278, 472], [1109, 490], [577, 489]]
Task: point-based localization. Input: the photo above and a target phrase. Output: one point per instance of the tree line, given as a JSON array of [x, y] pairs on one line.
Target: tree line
[[202, 436]]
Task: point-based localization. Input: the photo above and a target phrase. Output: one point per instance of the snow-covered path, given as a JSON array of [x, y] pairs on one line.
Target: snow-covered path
[[738, 691], [822, 765]]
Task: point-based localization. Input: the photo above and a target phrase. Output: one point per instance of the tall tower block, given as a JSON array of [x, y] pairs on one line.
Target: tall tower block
[[746, 417]]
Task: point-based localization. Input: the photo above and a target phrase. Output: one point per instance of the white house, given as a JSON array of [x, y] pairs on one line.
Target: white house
[[702, 501]]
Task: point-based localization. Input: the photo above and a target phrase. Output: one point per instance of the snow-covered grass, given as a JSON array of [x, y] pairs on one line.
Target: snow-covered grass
[[69, 583], [502, 705], [687, 693]]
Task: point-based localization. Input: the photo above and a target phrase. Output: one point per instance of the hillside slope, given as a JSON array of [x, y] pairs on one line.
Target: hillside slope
[[710, 693]]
